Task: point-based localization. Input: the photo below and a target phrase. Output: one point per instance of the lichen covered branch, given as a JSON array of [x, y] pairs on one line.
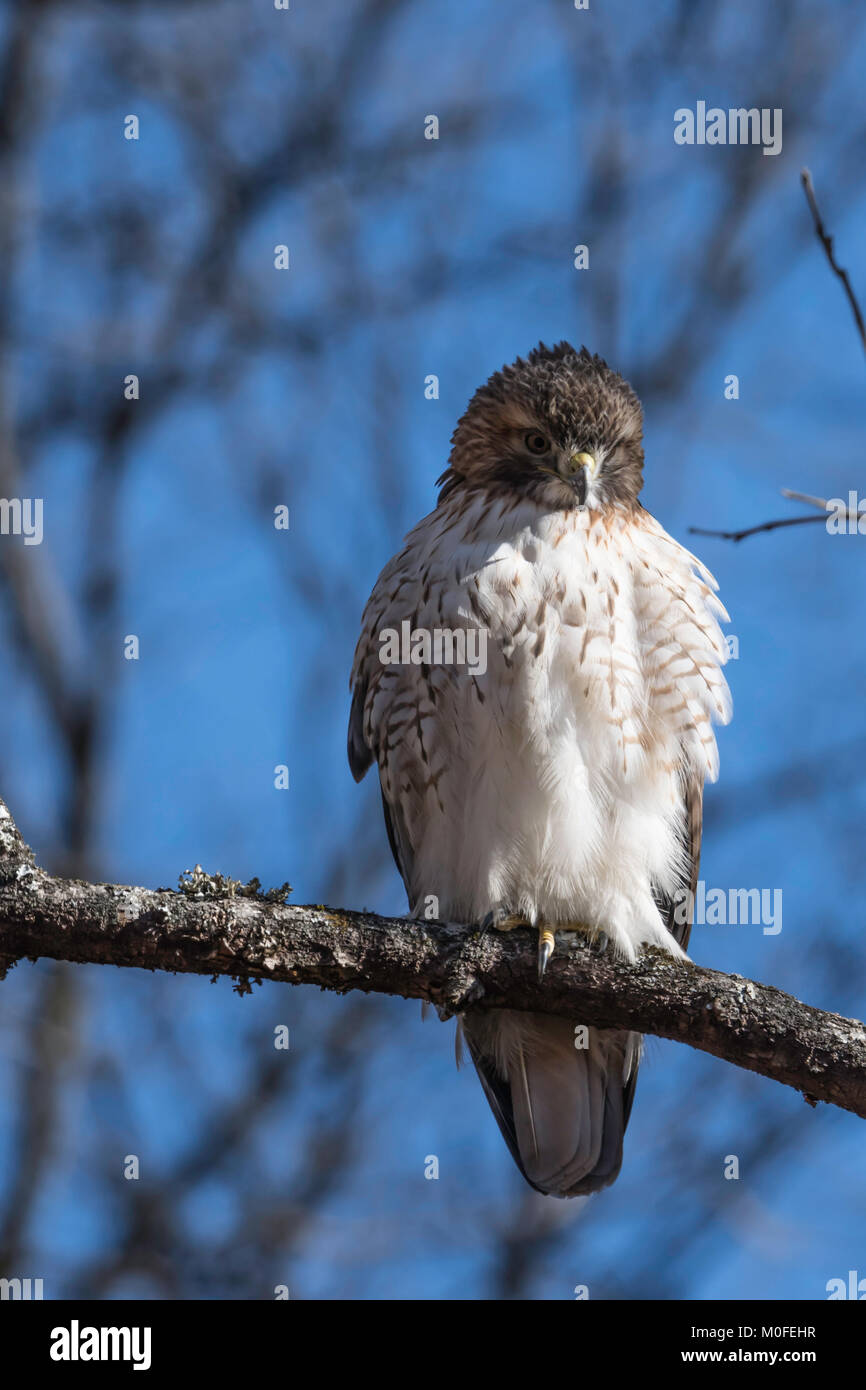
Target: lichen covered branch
[[215, 927]]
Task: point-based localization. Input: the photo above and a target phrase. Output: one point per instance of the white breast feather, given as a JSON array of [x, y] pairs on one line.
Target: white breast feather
[[552, 784]]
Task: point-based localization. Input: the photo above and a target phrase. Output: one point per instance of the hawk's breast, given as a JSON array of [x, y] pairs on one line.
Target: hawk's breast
[[547, 778]]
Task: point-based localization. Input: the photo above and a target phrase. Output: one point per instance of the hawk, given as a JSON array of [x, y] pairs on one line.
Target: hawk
[[557, 783]]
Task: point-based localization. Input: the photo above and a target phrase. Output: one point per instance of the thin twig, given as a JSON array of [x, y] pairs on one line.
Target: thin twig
[[827, 243], [821, 515], [753, 530], [820, 502]]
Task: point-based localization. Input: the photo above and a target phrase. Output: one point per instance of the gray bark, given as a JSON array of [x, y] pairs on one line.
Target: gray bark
[[216, 927]]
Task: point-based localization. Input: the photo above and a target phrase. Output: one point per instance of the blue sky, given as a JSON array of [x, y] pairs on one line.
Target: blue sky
[[454, 260]]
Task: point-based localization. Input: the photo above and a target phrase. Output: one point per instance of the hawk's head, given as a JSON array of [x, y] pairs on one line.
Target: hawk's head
[[559, 427]]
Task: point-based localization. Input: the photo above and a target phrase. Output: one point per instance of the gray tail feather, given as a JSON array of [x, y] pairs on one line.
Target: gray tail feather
[[562, 1109]]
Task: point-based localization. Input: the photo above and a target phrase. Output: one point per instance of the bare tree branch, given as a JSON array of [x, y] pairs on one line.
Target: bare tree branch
[[821, 515], [753, 530], [827, 242], [820, 502], [456, 968]]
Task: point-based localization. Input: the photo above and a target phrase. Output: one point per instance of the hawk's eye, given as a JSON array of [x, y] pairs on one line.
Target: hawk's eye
[[536, 443]]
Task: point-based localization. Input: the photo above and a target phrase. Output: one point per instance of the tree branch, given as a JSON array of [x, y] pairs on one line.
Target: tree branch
[[824, 511], [754, 530], [826, 241], [217, 931]]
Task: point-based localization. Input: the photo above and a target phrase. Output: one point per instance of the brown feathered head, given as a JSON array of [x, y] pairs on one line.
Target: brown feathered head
[[558, 426]]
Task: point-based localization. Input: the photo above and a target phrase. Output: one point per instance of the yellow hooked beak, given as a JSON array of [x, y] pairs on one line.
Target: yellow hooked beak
[[579, 468], [586, 461]]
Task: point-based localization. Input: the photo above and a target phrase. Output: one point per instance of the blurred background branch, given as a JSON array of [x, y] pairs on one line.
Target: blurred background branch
[[838, 513], [306, 388]]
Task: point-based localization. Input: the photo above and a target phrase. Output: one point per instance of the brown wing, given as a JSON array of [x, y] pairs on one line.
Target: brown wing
[[676, 914], [359, 751], [363, 753]]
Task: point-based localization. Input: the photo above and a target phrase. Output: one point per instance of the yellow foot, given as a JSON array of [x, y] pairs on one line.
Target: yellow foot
[[500, 919], [547, 941], [546, 948]]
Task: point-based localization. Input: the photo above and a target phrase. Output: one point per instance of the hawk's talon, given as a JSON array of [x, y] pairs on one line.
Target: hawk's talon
[[546, 948], [502, 919]]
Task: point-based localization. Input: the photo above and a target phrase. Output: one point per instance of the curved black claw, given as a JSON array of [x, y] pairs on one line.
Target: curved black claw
[[546, 947]]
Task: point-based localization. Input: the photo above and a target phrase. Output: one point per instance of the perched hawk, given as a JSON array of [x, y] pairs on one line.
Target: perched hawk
[[558, 782]]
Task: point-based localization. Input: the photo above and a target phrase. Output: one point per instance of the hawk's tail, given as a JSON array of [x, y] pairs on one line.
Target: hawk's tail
[[562, 1107]]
